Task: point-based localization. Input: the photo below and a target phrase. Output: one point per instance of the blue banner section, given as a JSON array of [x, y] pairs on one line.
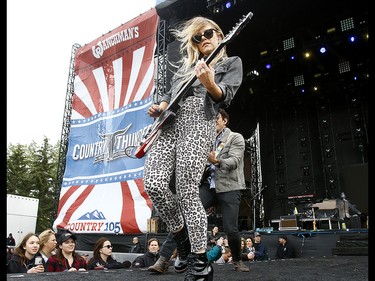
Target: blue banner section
[[101, 147]]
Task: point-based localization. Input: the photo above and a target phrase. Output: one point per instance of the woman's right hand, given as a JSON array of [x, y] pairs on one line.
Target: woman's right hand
[[154, 110]]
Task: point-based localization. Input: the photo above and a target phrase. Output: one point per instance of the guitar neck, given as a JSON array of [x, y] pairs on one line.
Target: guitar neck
[[173, 104]]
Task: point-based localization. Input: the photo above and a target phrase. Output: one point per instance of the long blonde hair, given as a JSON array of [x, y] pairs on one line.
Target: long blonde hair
[[189, 51]]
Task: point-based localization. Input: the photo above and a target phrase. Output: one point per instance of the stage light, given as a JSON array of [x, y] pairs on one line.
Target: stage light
[[217, 6], [292, 57], [288, 43], [306, 170], [352, 39], [307, 54], [217, 9], [344, 67], [253, 74], [328, 153], [331, 30], [347, 24], [325, 123], [332, 184], [299, 80], [230, 4], [280, 160], [268, 66], [322, 50]]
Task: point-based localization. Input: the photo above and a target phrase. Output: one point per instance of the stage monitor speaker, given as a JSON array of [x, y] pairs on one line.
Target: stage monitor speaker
[[289, 223]]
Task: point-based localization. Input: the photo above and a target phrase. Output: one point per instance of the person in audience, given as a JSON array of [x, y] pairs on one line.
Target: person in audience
[[284, 249], [151, 255], [243, 249], [136, 248], [47, 242], [226, 255], [10, 240], [102, 256], [9, 254], [26, 257], [215, 253], [213, 237], [260, 248], [66, 258], [248, 253]]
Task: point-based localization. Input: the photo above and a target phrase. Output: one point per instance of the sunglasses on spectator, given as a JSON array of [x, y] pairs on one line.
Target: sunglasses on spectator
[[108, 246], [197, 38]]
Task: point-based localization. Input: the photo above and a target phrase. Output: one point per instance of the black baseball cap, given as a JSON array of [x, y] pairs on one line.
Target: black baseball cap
[[65, 236]]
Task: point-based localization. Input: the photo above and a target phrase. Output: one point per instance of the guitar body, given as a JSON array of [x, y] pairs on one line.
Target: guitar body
[[170, 112], [153, 133]]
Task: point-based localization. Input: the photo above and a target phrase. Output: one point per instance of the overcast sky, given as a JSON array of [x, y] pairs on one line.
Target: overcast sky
[[40, 36]]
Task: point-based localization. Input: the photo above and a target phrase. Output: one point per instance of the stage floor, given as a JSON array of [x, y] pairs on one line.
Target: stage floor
[[303, 269]]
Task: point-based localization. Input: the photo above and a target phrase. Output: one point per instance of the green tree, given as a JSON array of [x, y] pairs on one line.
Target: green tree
[[31, 172], [17, 166]]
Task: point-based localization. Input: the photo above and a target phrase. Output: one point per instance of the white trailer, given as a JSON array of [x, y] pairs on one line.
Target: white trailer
[[22, 213]]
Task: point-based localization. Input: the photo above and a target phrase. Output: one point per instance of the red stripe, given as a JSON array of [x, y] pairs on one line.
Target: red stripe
[[128, 221], [76, 204]]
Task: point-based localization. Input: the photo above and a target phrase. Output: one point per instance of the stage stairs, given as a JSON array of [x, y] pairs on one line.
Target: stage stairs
[[351, 244]]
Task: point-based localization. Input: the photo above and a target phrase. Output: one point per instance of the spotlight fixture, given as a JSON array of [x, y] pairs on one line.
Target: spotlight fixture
[[344, 67], [288, 43], [347, 24], [217, 6], [299, 80]]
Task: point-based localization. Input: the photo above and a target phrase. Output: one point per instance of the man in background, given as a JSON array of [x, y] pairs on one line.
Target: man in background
[[10, 240], [136, 248], [345, 210]]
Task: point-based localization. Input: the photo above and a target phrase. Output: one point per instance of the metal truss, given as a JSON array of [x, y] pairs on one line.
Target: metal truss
[[161, 59], [253, 148], [66, 127]]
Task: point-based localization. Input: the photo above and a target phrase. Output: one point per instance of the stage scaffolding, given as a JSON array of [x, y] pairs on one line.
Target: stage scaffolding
[[256, 188], [65, 129]]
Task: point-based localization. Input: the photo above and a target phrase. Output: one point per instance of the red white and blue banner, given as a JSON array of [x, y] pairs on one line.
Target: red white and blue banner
[[102, 189]]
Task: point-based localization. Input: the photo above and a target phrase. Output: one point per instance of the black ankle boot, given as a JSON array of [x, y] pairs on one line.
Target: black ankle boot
[[183, 243], [199, 269]]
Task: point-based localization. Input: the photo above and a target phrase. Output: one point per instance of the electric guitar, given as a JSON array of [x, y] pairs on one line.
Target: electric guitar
[[170, 111]]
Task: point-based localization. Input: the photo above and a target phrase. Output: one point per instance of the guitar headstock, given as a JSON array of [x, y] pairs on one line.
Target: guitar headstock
[[236, 29]]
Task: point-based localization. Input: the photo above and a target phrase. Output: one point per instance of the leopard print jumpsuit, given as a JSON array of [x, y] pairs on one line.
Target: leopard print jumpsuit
[[183, 147]]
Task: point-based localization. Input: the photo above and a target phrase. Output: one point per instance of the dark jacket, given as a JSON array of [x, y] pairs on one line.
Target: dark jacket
[[11, 241], [260, 251], [146, 260], [228, 76], [15, 266], [111, 263], [285, 251], [136, 248]]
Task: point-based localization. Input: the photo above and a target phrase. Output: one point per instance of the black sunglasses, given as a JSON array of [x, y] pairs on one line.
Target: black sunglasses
[[197, 38], [108, 246]]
